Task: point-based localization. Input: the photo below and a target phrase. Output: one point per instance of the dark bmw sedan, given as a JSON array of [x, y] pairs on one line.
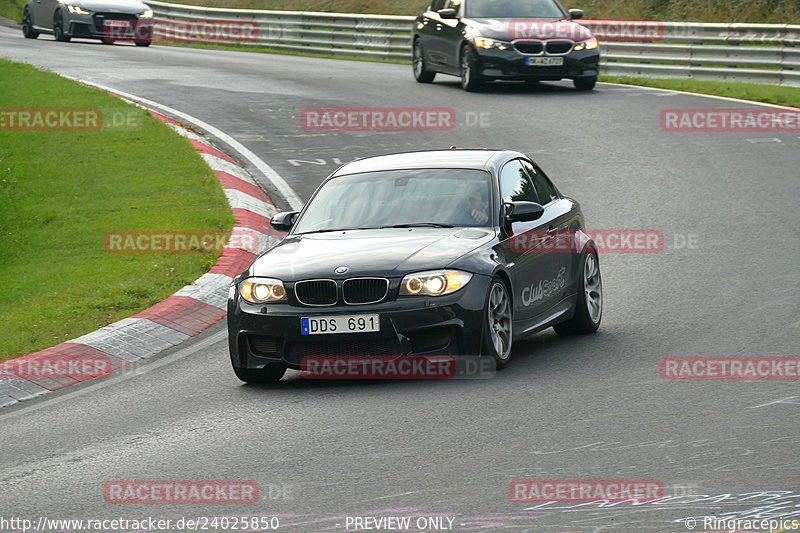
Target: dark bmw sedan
[[427, 253], [484, 40]]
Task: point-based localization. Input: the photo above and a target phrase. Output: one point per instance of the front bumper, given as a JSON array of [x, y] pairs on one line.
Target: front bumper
[[447, 325], [510, 64], [114, 26]]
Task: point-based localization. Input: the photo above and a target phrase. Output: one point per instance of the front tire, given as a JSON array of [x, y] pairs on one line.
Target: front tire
[[27, 25], [272, 373], [470, 79], [58, 28], [589, 300], [585, 84], [421, 72], [498, 329]]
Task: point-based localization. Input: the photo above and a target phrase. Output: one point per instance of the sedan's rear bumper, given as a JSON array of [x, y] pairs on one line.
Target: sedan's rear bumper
[[447, 325]]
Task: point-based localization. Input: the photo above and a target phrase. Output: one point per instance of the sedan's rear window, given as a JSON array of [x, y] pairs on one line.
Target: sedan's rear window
[[449, 197]]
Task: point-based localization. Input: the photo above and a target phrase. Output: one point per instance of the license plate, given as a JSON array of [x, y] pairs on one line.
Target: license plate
[[327, 325], [544, 61], [116, 23]]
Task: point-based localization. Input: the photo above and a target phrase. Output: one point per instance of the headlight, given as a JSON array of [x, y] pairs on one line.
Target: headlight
[[262, 290], [591, 44], [483, 42], [434, 283], [77, 10], [147, 14]]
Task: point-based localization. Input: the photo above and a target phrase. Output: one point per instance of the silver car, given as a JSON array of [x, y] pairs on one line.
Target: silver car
[[107, 20]]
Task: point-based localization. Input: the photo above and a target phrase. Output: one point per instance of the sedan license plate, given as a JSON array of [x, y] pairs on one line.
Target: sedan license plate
[[326, 325], [544, 61], [116, 23]]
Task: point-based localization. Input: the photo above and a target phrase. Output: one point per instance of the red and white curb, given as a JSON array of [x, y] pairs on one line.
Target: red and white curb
[[168, 323]]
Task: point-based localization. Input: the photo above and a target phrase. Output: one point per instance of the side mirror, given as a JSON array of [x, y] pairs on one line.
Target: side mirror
[[448, 13], [283, 221], [575, 14], [523, 211]]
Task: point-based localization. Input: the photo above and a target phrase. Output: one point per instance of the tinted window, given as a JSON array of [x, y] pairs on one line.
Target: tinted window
[[513, 9], [515, 185], [456, 197], [545, 192], [436, 5]]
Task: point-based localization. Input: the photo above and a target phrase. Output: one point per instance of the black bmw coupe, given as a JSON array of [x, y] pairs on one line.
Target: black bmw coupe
[[452, 252]]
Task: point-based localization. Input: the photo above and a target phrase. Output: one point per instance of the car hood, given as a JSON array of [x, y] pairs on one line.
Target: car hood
[[113, 6], [531, 28], [383, 252]]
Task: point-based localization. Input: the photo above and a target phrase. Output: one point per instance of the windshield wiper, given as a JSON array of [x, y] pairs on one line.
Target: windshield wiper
[[337, 229], [421, 225]]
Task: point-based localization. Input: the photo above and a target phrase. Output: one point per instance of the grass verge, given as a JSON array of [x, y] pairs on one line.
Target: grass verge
[[12, 9], [61, 191], [771, 94]]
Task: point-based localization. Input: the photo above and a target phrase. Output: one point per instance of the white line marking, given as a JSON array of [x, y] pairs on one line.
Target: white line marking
[[792, 400], [269, 173], [726, 98]]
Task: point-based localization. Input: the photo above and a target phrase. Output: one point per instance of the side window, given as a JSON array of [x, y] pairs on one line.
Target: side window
[[545, 191], [514, 183], [436, 5], [453, 4]]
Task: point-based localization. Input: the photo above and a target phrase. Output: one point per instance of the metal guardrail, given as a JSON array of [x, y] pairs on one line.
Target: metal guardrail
[[760, 53]]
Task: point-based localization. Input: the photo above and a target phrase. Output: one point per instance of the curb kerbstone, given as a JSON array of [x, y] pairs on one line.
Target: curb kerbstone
[[181, 316]]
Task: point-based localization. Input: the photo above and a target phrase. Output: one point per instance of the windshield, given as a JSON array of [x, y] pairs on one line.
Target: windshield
[[492, 9], [425, 197]]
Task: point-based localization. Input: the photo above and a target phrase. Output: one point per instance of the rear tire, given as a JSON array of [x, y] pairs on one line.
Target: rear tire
[[585, 84], [27, 25], [498, 328], [106, 40], [58, 28], [588, 301], [272, 373], [470, 79], [142, 43], [421, 72]]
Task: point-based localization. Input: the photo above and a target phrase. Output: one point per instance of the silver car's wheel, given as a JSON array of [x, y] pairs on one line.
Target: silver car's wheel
[[499, 321]]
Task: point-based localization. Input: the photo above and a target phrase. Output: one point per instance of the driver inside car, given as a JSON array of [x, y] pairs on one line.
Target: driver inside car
[[476, 206]]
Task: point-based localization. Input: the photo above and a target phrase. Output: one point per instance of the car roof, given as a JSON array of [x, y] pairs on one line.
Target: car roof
[[454, 158]]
